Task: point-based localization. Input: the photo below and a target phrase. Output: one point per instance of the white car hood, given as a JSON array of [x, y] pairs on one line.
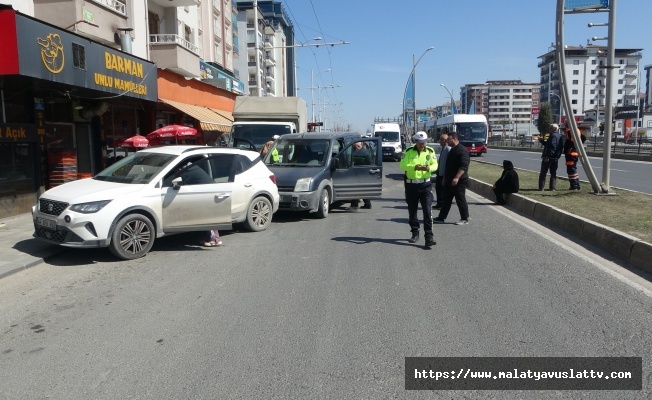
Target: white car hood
[[86, 190]]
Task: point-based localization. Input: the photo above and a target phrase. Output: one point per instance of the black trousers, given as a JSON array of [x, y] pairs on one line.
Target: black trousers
[[459, 193], [439, 190], [548, 164], [415, 194]]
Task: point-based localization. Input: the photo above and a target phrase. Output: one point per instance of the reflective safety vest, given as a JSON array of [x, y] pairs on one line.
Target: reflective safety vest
[[413, 158]]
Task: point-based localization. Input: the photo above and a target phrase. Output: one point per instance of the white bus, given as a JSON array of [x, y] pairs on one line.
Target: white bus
[[472, 130]]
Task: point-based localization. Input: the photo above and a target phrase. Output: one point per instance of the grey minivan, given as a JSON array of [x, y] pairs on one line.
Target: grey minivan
[[316, 170]]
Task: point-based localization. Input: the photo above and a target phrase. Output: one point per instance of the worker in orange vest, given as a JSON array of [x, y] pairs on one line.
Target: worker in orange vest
[[571, 155]]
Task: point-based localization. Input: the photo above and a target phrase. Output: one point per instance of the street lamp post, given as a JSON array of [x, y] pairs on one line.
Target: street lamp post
[[414, 90], [451, 94], [560, 108]]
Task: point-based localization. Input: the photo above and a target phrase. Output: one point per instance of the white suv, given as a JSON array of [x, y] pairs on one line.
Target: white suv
[[155, 192]]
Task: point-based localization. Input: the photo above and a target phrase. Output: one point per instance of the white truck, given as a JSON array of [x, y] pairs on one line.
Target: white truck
[[391, 139], [258, 119]]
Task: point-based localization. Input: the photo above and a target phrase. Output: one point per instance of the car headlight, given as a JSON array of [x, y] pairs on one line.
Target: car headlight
[[303, 185], [398, 147], [89, 208]]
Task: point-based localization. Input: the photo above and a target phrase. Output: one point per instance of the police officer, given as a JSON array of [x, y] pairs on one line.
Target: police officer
[[419, 162]]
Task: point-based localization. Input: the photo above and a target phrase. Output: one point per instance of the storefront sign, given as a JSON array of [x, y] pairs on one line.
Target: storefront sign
[[213, 76], [56, 55], [17, 133]]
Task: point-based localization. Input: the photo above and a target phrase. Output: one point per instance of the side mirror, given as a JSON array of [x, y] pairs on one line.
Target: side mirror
[[177, 182]]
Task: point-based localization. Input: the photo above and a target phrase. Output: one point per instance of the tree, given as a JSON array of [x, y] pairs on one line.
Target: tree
[[545, 118]]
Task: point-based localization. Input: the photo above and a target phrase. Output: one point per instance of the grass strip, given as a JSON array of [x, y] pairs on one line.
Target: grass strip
[[626, 211]]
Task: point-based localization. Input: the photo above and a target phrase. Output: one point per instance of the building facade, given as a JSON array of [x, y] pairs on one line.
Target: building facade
[[585, 72], [267, 32], [80, 76]]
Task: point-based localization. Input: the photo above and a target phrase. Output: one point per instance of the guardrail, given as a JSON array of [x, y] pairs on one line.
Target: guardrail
[[589, 145]]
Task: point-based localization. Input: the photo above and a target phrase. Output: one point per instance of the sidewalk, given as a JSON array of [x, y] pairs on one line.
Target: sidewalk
[[18, 249]]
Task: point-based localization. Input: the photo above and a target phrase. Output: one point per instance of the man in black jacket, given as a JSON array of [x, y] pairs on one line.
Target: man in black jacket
[[553, 146], [455, 181], [507, 183]]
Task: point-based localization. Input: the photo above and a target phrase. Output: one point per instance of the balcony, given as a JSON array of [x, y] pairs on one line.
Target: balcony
[[175, 3], [269, 61], [170, 51], [116, 5]]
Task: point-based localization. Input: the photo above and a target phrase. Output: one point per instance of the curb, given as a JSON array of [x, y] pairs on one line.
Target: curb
[[618, 244]]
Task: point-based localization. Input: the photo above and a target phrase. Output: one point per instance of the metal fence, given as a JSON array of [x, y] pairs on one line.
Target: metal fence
[[634, 147]]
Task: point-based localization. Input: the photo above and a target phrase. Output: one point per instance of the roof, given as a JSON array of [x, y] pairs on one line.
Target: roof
[[180, 149]]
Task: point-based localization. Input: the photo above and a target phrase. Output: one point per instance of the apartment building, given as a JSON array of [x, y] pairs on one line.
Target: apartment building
[[506, 103], [266, 30], [587, 79]]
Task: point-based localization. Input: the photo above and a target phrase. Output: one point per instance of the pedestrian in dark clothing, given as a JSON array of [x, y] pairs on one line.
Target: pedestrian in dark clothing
[[553, 145], [507, 183], [445, 148], [361, 156], [455, 181]]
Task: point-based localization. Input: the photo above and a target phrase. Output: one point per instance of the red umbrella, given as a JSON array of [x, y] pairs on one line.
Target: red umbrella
[[137, 142], [172, 132]]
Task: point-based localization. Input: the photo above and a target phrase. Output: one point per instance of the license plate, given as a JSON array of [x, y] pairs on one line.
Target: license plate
[[286, 199], [46, 223]]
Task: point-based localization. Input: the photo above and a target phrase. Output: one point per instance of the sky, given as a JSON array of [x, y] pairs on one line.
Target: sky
[[474, 41]]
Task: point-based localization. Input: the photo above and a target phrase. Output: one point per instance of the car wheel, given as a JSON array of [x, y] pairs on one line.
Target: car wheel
[[324, 203], [259, 214], [132, 237]]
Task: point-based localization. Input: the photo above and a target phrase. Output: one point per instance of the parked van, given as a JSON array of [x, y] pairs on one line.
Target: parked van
[[391, 138], [315, 171]]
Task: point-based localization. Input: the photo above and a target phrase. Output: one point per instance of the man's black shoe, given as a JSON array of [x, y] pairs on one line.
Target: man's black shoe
[[414, 238], [367, 206], [430, 242], [437, 207]]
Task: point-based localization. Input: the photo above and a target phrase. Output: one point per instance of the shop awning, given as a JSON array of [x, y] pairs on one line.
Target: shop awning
[[209, 119]]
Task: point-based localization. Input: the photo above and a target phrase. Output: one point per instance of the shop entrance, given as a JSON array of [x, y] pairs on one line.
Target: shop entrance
[[69, 152]]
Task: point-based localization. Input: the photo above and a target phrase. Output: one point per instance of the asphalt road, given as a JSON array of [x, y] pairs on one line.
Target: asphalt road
[[625, 174], [324, 309]]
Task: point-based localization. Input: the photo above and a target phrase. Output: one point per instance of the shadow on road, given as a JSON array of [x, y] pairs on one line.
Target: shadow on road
[[368, 240]]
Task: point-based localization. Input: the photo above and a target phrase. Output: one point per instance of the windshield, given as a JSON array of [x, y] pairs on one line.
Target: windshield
[[138, 168], [388, 136], [298, 152], [472, 131], [259, 134]]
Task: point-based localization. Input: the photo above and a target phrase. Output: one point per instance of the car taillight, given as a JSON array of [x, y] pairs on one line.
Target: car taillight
[[273, 178]]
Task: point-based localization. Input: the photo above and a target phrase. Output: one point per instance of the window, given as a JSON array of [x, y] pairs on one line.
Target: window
[[576, 72], [78, 56], [594, 62], [576, 82], [592, 81], [576, 62], [573, 101], [575, 91], [620, 81]]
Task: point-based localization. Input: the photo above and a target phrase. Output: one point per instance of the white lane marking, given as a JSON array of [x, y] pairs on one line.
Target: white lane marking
[[541, 231]]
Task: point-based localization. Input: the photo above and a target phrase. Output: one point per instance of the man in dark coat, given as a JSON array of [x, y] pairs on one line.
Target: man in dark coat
[[455, 181], [553, 145], [507, 183]]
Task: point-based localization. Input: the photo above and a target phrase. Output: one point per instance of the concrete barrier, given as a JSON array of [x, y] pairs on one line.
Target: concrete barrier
[[619, 244]]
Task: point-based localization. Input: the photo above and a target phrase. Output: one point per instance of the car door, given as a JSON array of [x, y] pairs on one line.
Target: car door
[[198, 204], [355, 176], [234, 168]]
